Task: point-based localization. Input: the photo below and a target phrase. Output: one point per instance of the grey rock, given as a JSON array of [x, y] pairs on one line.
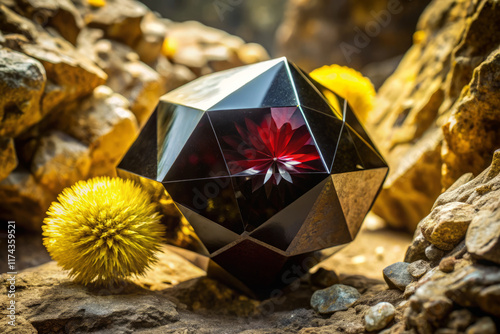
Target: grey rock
[[433, 253], [397, 276], [416, 251], [419, 268], [379, 316], [483, 326], [338, 297], [324, 278]]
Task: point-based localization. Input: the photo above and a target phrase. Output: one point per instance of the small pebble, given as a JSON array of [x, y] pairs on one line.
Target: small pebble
[[378, 316], [447, 265], [419, 268], [483, 326], [338, 297], [433, 253], [397, 276], [324, 278]]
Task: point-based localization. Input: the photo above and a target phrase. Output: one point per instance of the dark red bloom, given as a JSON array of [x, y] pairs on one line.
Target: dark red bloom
[[280, 146]]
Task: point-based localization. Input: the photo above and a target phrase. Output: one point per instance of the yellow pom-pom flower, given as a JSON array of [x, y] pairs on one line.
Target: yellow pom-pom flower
[[348, 84], [103, 231]]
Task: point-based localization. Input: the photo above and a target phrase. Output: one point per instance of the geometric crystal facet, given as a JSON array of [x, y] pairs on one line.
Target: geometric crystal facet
[[266, 165]]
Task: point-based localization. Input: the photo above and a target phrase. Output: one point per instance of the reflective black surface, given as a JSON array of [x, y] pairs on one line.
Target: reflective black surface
[[264, 168]]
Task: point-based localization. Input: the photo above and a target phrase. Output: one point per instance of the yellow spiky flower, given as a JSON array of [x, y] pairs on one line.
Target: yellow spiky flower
[[103, 230], [348, 84]]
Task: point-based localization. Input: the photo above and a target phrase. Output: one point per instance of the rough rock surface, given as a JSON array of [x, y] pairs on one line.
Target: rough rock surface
[[22, 80], [337, 297], [437, 117], [460, 293], [379, 316], [55, 56]]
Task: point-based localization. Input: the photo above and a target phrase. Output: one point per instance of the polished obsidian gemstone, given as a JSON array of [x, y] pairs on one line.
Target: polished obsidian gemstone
[[265, 170]]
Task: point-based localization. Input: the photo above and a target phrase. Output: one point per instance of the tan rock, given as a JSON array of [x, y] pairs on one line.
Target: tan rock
[[24, 200], [446, 226], [149, 44], [59, 161], [127, 75], [252, 53], [60, 14], [8, 158], [104, 123], [71, 74], [442, 90], [120, 20], [22, 81], [172, 75]]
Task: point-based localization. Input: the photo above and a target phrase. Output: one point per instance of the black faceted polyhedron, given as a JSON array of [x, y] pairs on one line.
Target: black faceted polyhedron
[[257, 214]]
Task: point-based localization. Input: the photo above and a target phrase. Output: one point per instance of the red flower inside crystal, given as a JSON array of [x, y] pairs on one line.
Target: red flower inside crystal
[[279, 146]]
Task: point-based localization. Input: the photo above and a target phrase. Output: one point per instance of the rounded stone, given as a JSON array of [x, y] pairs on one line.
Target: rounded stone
[[447, 265], [419, 268], [397, 276], [378, 316], [338, 297]]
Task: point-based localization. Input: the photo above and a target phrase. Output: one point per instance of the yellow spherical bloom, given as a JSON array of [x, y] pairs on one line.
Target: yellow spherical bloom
[[348, 84], [97, 3], [103, 230]]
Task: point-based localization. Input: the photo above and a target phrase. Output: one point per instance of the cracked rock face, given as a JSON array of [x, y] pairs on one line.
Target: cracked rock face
[[460, 288], [437, 117]]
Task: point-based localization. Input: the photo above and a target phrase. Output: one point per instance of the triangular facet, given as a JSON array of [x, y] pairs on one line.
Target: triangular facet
[[252, 263], [272, 88], [280, 229], [212, 235], [347, 157], [307, 93], [200, 156], [371, 159], [326, 132], [258, 201], [203, 93], [175, 124], [356, 192], [210, 198], [141, 158], [325, 225], [355, 124], [334, 100]]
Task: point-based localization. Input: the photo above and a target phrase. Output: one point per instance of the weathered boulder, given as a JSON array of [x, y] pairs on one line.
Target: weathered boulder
[[437, 117], [22, 82], [105, 124], [60, 14], [59, 161], [119, 19]]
